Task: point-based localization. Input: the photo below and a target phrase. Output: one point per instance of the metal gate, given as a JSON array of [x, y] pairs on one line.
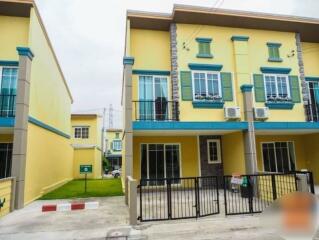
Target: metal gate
[[178, 198], [253, 193]]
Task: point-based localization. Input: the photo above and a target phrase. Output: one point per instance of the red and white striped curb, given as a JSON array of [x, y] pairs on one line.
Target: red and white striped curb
[[63, 207]]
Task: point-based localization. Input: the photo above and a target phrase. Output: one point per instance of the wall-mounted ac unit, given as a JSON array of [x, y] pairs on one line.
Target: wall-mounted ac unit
[[261, 112], [232, 112]]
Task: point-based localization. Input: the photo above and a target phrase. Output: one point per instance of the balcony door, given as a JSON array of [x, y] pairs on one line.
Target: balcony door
[[8, 90], [153, 97], [313, 108]]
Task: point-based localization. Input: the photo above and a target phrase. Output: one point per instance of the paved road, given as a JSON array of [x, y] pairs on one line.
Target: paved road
[[111, 219]]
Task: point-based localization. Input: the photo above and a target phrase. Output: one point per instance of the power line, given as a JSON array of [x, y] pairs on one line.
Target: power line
[[197, 31]]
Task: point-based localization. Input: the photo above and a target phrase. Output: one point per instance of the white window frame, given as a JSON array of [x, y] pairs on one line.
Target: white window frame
[[219, 157], [206, 83], [81, 135], [147, 157], [277, 75], [262, 155]]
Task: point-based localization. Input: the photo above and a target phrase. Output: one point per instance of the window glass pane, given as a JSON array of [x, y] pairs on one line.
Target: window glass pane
[[156, 162], [172, 162], [269, 157], [200, 85], [85, 132], [270, 87], [146, 97], [291, 151], [5, 159], [282, 87]]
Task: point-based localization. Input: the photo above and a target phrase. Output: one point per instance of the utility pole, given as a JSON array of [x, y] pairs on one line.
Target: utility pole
[[103, 141], [110, 116]]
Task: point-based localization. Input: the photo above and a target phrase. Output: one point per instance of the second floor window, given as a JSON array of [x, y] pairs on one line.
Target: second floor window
[[207, 86], [117, 145], [81, 132], [277, 88]]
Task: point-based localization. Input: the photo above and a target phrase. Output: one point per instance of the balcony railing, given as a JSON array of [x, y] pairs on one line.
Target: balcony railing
[[313, 112], [7, 105], [157, 110]]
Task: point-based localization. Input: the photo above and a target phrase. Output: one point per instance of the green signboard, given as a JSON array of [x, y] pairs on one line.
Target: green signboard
[[86, 169]]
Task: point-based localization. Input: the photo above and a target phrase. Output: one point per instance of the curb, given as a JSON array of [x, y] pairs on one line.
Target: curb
[[64, 207]]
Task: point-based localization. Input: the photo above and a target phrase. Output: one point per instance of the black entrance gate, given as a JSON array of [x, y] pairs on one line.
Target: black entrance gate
[[178, 198]]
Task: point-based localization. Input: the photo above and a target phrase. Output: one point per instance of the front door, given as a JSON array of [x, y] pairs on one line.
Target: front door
[[210, 156]]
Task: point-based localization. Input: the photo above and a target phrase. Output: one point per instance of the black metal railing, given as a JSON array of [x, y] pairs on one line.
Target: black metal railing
[[157, 110], [178, 198], [313, 112], [7, 105]]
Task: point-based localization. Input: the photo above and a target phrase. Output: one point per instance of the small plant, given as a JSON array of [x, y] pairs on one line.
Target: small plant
[[2, 203]]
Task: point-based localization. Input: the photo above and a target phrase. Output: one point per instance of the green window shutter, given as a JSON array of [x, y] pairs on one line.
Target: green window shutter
[[186, 85], [273, 52], [204, 48], [259, 88], [227, 89], [294, 89]]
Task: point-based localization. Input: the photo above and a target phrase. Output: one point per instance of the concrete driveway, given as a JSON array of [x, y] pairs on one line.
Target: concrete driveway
[[32, 224]]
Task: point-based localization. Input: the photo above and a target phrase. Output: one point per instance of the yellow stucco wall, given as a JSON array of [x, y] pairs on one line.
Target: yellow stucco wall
[[93, 122], [49, 98], [6, 138], [5, 192], [299, 145], [88, 156], [87, 151], [233, 153], [188, 153], [311, 145], [14, 33], [111, 136], [151, 49], [223, 50], [49, 162], [310, 53]]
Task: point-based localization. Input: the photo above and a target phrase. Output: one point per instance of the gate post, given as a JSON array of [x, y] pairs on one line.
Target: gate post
[[169, 199], [273, 185], [132, 200]]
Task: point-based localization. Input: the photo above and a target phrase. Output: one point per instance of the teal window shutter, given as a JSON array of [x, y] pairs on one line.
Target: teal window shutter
[[204, 48], [186, 85], [259, 88], [294, 89], [227, 89], [274, 54]]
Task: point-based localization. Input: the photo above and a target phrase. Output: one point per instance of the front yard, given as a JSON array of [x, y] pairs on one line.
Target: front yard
[[95, 188]]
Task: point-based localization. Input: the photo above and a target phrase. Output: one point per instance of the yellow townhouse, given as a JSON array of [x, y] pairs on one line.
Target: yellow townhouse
[[86, 141], [113, 149], [35, 106], [217, 92]]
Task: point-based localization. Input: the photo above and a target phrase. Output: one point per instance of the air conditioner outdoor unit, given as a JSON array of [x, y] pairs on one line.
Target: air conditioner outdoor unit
[[232, 112], [261, 112]]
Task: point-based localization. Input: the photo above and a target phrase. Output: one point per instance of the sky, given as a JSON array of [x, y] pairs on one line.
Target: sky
[[88, 38]]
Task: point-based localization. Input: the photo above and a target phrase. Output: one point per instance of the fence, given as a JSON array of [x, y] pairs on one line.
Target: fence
[[253, 193], [178, 198], [158, 110], [7, 105]]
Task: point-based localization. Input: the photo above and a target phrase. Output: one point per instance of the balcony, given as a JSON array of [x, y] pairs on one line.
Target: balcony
[[156, 110]]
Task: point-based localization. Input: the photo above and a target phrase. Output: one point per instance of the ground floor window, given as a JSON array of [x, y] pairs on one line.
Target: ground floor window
[[160, 161], [5, 159], [278, 156]]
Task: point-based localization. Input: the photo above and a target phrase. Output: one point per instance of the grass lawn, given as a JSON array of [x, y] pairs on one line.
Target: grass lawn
[[95, 188]]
